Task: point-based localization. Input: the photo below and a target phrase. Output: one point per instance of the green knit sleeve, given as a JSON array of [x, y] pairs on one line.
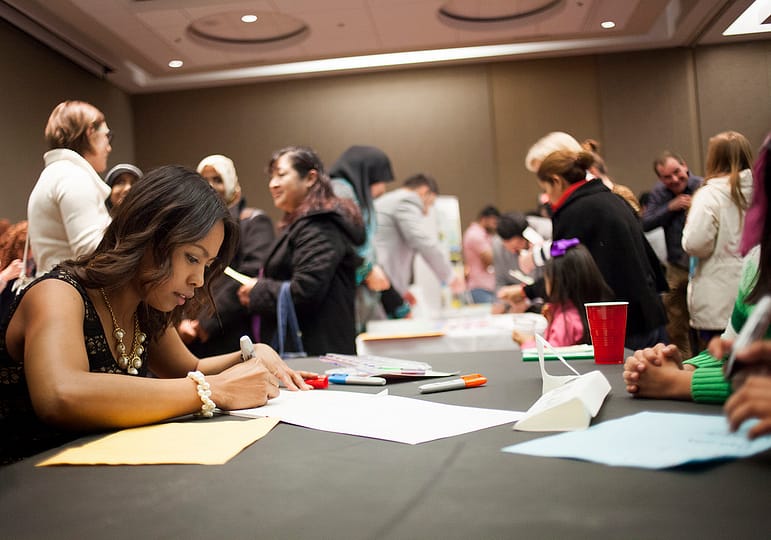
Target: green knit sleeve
[[708, 385]]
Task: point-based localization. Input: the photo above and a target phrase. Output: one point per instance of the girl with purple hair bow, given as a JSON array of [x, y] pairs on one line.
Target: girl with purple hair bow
[[572, 279]]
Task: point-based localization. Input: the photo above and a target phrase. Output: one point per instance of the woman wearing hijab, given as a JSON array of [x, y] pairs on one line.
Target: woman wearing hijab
[[120, 179], [361, 174], [211, 335]]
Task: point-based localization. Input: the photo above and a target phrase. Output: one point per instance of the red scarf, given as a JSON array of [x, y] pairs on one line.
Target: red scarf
[[567, 193]]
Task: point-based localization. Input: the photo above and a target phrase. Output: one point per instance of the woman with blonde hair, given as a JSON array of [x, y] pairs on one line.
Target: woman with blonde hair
[[712, 233], [66, 210]]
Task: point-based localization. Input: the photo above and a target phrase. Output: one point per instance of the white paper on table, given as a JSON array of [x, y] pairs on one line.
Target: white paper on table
[[568, 402], [380, 416]]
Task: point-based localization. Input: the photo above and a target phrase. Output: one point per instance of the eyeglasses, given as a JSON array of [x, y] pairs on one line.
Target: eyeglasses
[[107, 131]]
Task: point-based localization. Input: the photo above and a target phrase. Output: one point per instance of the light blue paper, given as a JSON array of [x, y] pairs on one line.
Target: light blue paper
[[649, 440]]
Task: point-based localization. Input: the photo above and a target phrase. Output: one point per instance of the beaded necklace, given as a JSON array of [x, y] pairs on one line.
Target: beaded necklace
[[129, 363]]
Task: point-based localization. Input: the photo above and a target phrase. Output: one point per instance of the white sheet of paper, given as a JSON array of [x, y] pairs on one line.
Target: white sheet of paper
[[392, 418], [649, 440], [243, 279], [569, 402]]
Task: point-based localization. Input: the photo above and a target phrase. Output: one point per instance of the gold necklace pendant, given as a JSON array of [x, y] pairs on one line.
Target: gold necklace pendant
[[129, 363]]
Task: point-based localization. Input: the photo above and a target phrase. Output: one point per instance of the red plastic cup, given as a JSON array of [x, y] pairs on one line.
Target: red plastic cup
[[607, 327]]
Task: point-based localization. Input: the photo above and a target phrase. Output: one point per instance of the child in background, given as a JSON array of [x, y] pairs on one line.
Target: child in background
[[571, 279]]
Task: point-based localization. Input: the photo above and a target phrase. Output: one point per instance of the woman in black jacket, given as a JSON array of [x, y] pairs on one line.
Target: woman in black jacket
[[606, 225], [315, 253]]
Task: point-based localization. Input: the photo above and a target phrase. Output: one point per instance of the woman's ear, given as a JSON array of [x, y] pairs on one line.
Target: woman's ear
[[313, 175]]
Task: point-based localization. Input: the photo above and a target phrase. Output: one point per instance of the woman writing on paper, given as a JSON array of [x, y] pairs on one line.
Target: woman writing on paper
[[315, 253], [78, 345]]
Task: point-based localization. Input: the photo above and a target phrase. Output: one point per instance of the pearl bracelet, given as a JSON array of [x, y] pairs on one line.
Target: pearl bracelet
[[204, 392]]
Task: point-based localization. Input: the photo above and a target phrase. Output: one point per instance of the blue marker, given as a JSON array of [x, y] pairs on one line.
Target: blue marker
[[342, 378]]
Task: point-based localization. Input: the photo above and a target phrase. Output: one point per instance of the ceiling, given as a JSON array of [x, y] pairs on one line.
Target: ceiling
[[131, 42]]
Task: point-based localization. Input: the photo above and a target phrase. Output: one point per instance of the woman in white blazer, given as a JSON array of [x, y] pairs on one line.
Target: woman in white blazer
[[712, 234], [66, 211]]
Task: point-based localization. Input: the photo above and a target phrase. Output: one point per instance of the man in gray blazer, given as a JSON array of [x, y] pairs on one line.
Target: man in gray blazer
[[401, 234]]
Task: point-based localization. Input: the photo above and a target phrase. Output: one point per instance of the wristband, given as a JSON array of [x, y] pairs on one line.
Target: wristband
[[204, 392]]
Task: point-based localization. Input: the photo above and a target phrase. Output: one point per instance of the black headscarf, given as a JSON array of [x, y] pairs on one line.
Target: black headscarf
[[363, 166]]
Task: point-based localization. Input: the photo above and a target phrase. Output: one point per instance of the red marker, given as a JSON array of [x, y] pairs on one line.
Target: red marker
[[466, 381]]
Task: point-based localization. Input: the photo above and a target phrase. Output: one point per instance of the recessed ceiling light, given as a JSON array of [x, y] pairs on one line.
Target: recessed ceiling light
[[607, 25], [176, 63], [249, 18]]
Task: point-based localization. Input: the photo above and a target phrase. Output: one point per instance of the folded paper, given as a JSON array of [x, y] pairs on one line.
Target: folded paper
[[568, 402]]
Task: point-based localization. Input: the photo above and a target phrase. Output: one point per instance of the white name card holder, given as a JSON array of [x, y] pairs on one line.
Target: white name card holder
[[568, 402]]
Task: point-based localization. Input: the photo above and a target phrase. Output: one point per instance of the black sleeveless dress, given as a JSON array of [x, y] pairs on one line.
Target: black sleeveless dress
[[22, 434]]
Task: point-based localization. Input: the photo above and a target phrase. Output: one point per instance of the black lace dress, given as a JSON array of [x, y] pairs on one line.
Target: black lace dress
[[22, 434]]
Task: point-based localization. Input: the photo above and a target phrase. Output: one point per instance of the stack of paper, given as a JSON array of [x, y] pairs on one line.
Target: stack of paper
[[379, 366], [571, 352]]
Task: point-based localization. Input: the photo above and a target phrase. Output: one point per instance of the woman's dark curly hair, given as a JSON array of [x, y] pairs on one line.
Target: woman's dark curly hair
[[169, 207]]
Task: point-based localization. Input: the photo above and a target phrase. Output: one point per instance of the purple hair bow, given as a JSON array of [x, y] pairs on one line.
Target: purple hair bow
[[559, 247]]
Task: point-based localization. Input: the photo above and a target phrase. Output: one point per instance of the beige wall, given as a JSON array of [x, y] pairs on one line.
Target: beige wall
[[734, 90], [34, 80], [530, 99], [469, 126], [435, 121]]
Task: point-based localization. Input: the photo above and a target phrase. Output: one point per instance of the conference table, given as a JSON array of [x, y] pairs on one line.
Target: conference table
[[302, 483]]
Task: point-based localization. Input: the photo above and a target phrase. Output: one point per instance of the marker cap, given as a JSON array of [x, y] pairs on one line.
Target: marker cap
[[318, 383], [475, 379]]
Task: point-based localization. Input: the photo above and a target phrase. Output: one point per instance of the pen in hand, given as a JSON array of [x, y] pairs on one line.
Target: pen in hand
[[247, 352], [247, 348]]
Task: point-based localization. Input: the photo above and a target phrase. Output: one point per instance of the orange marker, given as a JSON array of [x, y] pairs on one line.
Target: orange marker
[[466, 381]]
